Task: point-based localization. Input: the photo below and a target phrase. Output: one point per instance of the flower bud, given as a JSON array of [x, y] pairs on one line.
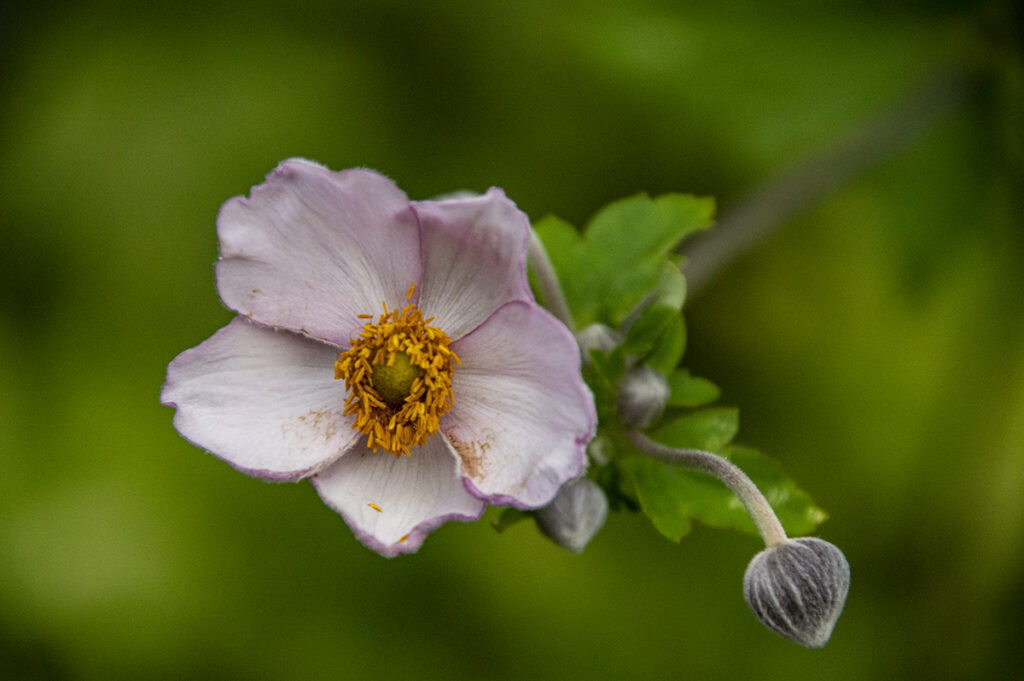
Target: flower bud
[[600, 450], [575, 515], [643, 393], [596, 337], [797, 589]]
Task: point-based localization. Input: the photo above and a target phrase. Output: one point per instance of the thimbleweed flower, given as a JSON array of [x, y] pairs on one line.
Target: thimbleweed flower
[[460, 391], [643, 393], [798, 588], [575, 516]]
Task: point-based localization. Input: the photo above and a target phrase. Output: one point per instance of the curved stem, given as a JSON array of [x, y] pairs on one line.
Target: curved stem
[[736, 480], [554, 298]]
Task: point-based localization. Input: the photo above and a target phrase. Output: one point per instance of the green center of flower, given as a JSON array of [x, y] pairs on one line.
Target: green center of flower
[[393, 382], [398, 374]]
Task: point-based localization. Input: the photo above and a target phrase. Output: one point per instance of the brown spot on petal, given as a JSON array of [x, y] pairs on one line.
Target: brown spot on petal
[[325, 421], [471, 454]]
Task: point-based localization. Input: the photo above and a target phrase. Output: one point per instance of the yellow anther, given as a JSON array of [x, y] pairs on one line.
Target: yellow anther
[[398, 374]]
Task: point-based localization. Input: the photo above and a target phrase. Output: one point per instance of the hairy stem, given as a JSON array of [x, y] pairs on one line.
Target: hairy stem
[[554, 298], [736, 480]]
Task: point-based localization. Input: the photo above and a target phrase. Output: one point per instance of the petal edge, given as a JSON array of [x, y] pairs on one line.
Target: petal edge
[[264, 401], [477, 245], [311, 249], [391, 503], [522, 415]]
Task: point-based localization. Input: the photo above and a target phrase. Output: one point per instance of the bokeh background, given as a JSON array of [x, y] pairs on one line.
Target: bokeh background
[[875, 344]]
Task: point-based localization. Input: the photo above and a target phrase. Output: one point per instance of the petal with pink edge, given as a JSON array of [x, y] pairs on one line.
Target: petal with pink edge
[[392, 503], [312, 248], [265, 401], [521, 415], [474, 259]]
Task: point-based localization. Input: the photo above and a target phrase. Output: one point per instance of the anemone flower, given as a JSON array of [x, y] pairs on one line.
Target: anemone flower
[[389, 351]]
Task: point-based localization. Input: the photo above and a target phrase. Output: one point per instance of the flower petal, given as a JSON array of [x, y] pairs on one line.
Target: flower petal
[[521, 415], [265, 401], [474, 259], [312, 248], [390, 502]]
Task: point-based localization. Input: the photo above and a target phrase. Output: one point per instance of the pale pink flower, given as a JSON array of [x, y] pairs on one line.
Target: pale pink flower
[[454, 389]]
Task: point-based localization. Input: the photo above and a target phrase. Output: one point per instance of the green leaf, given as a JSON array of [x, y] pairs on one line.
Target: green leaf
[[608, 270], [648, 328], [797, 512], [669, 348], [602, 375], [509, 517], [567, 251], [658, 495], [613, 481], [671, 287], [707, 429], [604, 392], [610, 366], [658, 336], [642, 225], [690, 391], [672, 496]]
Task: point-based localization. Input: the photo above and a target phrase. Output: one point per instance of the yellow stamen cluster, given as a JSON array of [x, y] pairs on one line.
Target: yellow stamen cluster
[[414, 372]]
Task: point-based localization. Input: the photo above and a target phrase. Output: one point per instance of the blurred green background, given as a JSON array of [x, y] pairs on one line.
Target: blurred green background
[[875, 345]]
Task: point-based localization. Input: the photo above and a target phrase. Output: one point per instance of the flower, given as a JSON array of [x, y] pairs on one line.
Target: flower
[[388, 350]]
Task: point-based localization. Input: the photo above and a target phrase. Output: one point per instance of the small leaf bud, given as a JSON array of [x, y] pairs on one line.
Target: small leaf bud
[[643, 393], [575, 515], [596, 337], [600, 450], [798, 589]]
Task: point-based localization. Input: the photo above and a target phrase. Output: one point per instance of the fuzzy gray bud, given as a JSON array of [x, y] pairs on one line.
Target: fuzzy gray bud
[[596, 337], [643, 393], [798, 589], [575, 515], [600, 450]]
